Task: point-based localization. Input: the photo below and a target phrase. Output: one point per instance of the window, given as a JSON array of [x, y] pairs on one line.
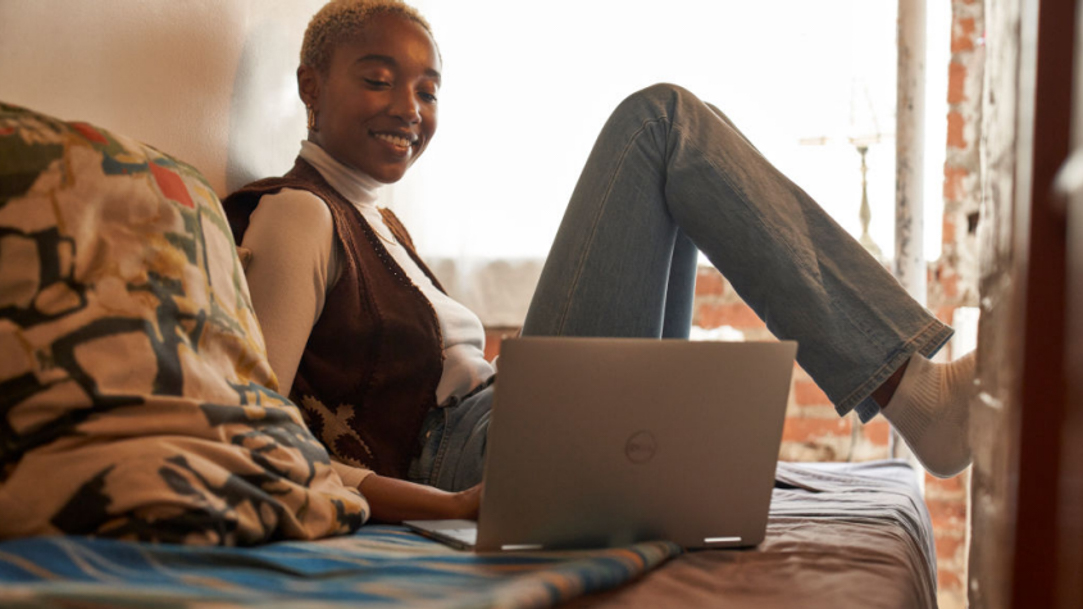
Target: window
[[528, 85]]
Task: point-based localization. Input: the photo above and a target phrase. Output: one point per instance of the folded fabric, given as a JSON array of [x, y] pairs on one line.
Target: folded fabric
[[136, 399], [380, 566]]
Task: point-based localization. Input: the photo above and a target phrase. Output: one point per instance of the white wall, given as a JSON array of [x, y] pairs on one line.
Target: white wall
[[210, 82]]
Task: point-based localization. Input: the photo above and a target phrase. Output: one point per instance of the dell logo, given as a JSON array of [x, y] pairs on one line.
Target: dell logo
[[640, 447]]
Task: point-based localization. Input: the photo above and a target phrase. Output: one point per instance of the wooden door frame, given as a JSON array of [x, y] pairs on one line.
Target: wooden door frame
[[1043, 387]]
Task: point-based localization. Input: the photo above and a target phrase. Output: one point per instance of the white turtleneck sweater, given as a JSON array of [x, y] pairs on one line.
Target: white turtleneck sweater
[[295, 263]]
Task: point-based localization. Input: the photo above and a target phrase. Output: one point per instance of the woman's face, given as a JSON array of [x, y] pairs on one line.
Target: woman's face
[[376, 105]]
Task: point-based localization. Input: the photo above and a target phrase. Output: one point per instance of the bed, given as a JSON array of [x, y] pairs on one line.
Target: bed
[[839, 535], [137, 407]]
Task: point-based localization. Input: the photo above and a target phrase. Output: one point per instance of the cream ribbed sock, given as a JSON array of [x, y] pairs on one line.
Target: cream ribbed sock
[[931, 411]]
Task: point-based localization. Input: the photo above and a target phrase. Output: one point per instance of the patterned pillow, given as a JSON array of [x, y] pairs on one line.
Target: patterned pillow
[[133, 374]]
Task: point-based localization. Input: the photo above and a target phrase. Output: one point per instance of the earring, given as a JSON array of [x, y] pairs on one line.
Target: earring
[[312, 125]]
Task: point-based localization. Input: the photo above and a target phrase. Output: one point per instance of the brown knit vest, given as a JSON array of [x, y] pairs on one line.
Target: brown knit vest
[[374, 358]]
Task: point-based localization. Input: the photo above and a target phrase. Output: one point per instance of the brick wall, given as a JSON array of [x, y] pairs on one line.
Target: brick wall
[[948, 503], [813, 431], [955, 275], [954, 278]]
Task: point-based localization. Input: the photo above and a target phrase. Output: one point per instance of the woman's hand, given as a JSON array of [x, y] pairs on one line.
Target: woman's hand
[[468, 502], [392, 500]]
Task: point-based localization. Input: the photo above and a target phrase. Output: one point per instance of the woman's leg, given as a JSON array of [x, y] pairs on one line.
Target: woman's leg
[[680, 288], [665, 166]]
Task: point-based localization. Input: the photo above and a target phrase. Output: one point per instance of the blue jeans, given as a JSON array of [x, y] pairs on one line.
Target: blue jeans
[[670, 174]]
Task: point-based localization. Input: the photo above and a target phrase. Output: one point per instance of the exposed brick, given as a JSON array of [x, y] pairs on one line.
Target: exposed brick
[[950, 548], [815, 411], [945, 314], [738, 315], [799, 373], [945, 487], [955, 285], [834, 449], [948, 579], [946, 513], [953, 182], [871, 442], [956, 124], [956, 83], [962, 35], [709, 282], [877, 431], [948, 226], [799, 429], [949, 283], [807, 393], [493, 338], [951, 599]]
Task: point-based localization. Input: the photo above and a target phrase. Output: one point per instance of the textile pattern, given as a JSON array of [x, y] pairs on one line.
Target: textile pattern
[[136, 400], [380, 566]]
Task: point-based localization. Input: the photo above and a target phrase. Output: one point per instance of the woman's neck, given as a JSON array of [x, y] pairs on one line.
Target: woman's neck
[[359, 188]]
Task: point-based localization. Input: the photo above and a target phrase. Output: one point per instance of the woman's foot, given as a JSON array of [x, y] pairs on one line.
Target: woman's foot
[[931, 411]]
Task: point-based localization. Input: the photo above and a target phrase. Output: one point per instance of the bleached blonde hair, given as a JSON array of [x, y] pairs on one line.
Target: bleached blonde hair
[[341, 20]]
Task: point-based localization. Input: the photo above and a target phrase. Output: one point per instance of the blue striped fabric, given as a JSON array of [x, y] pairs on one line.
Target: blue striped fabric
[[380, 566]]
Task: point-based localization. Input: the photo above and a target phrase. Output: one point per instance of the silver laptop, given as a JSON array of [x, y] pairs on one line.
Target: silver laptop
[[598, 442]]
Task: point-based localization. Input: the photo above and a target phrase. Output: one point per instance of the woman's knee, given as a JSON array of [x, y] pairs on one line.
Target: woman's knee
[[664, 92], [656, 100]]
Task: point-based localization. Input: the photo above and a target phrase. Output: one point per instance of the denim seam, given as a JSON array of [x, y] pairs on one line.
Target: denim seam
[[441, 451], [931, 337], [563, 318]]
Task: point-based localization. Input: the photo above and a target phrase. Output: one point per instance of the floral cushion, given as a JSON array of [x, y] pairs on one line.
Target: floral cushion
[[133, 375]]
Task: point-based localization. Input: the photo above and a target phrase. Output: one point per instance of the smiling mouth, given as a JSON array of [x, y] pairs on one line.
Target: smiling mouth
[[396, 140]]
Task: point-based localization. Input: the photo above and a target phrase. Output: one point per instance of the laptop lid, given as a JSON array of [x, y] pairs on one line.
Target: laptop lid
[[600, 442]]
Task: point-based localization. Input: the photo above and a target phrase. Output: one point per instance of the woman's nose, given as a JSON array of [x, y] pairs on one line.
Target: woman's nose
[[405, 105]]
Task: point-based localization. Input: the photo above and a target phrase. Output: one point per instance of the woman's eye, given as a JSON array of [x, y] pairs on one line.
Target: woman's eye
[[429, 97], [375, 82]]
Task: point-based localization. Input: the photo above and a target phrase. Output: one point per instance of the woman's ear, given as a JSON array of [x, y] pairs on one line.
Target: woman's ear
[[308, 85]]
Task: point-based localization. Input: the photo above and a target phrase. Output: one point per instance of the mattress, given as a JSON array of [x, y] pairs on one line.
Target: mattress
[[838, 536]]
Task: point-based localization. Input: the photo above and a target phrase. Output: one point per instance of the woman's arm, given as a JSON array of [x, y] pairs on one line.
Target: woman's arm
[[291, 237], [394, 500]]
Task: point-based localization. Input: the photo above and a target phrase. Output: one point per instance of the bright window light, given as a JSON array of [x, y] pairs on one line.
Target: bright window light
[[527, 86]]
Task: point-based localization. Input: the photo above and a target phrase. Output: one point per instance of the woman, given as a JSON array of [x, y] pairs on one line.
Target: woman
[[389, 371]]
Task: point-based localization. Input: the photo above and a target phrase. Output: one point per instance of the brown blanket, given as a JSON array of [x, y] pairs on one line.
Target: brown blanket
[[839, 535]]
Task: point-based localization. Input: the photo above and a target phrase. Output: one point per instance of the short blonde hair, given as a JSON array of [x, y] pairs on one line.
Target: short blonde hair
[[340, 20]]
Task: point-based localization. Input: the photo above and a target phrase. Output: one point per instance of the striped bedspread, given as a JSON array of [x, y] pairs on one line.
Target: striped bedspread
[[380, 566]]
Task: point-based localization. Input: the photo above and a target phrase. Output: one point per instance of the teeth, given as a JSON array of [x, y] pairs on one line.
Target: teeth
[[394, 139]]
